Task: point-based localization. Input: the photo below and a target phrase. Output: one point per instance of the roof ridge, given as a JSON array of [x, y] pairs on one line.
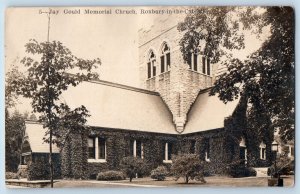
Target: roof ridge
[[122, 86]]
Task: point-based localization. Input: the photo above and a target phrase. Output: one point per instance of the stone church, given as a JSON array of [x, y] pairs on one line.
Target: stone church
[[171, 113]]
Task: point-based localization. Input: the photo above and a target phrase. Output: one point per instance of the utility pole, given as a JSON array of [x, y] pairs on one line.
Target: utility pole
[[49, 108]]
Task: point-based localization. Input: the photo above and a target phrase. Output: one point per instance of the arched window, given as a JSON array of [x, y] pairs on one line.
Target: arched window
[[151, 65], [165, 58]]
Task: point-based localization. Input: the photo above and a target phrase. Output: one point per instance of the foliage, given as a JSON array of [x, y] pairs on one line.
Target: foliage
[[266, 77], [159, 173], [44, 83], [209, 30], [11, 96], [11, 175], [14, 132], [188, 166], [284, 164], [39, 168], [133, 166], [111, 175], [239, 169]]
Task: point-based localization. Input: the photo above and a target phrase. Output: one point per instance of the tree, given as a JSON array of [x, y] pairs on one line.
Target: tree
[[14, 132], [267, 76], [188, 166], [44, 83], [133, 166]]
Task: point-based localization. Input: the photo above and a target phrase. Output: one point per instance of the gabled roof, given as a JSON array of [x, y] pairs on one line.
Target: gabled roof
[[121, 107], [35, 133], [208, 112]]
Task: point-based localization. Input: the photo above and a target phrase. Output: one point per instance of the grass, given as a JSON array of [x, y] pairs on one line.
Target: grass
[[214, 181]]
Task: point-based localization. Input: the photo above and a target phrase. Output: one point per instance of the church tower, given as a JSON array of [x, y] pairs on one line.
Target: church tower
[[162, 68]]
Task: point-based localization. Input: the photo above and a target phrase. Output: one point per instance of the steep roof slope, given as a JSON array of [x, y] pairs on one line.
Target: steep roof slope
[[208, 112], [121, 107], [34, 133]]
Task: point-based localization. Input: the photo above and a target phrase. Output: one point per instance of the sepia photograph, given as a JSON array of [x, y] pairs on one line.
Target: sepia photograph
[[149, 97]]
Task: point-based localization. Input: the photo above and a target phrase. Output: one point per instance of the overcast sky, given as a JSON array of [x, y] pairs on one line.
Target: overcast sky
[[113, 38]]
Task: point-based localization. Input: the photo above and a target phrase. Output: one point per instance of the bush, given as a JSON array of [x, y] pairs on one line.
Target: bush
[[133, 166], [111, 175], [159, 173], [39, 168], [238, 169], [188, 166], [11, 175]]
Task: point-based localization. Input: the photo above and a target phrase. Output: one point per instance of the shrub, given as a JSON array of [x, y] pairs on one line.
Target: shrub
[[188, 166], [238, 169], [133, 166], [39, 170], [11, 175], [159, 173], [111, 175]]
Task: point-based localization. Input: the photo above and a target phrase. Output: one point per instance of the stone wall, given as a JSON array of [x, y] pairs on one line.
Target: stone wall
[[178, 87]]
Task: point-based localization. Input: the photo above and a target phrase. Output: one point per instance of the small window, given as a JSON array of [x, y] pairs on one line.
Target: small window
[[208, 67], [262, 147], [168, 151], [193, 145], [136, 148], [207, 151], [195, 62], [92, 148], [203, 65], [96, 149], [243, 150]]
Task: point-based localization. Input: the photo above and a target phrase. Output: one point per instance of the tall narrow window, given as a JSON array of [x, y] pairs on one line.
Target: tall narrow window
[[136, 148], [151, 65], [193, 146], [207, 150], [168, 150], [195, 61], [101, 146], [92, 148], [243, 150], [262, 148], [165, 58], [203, 65], [97, 149], [208, 67]]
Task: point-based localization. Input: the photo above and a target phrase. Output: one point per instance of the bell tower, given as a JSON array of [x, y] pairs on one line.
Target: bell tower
[[162, 68]]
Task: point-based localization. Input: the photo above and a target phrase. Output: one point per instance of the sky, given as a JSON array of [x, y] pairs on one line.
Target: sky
[[111, 37]]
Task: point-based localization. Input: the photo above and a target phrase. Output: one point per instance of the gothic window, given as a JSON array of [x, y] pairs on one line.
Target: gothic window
[[151, 65], [96, 149], [262, 148], [137, 148], [165, 58], [167, 152]]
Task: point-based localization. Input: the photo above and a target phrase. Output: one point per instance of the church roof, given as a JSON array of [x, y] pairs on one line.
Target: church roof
[[118, 106], [208, 112], [34, 134]]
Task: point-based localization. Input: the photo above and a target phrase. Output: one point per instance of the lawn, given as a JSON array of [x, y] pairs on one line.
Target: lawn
[[214, 181]]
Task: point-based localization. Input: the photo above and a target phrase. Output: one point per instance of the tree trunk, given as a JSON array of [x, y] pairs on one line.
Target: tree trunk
[[186, 179], [50, 159]]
